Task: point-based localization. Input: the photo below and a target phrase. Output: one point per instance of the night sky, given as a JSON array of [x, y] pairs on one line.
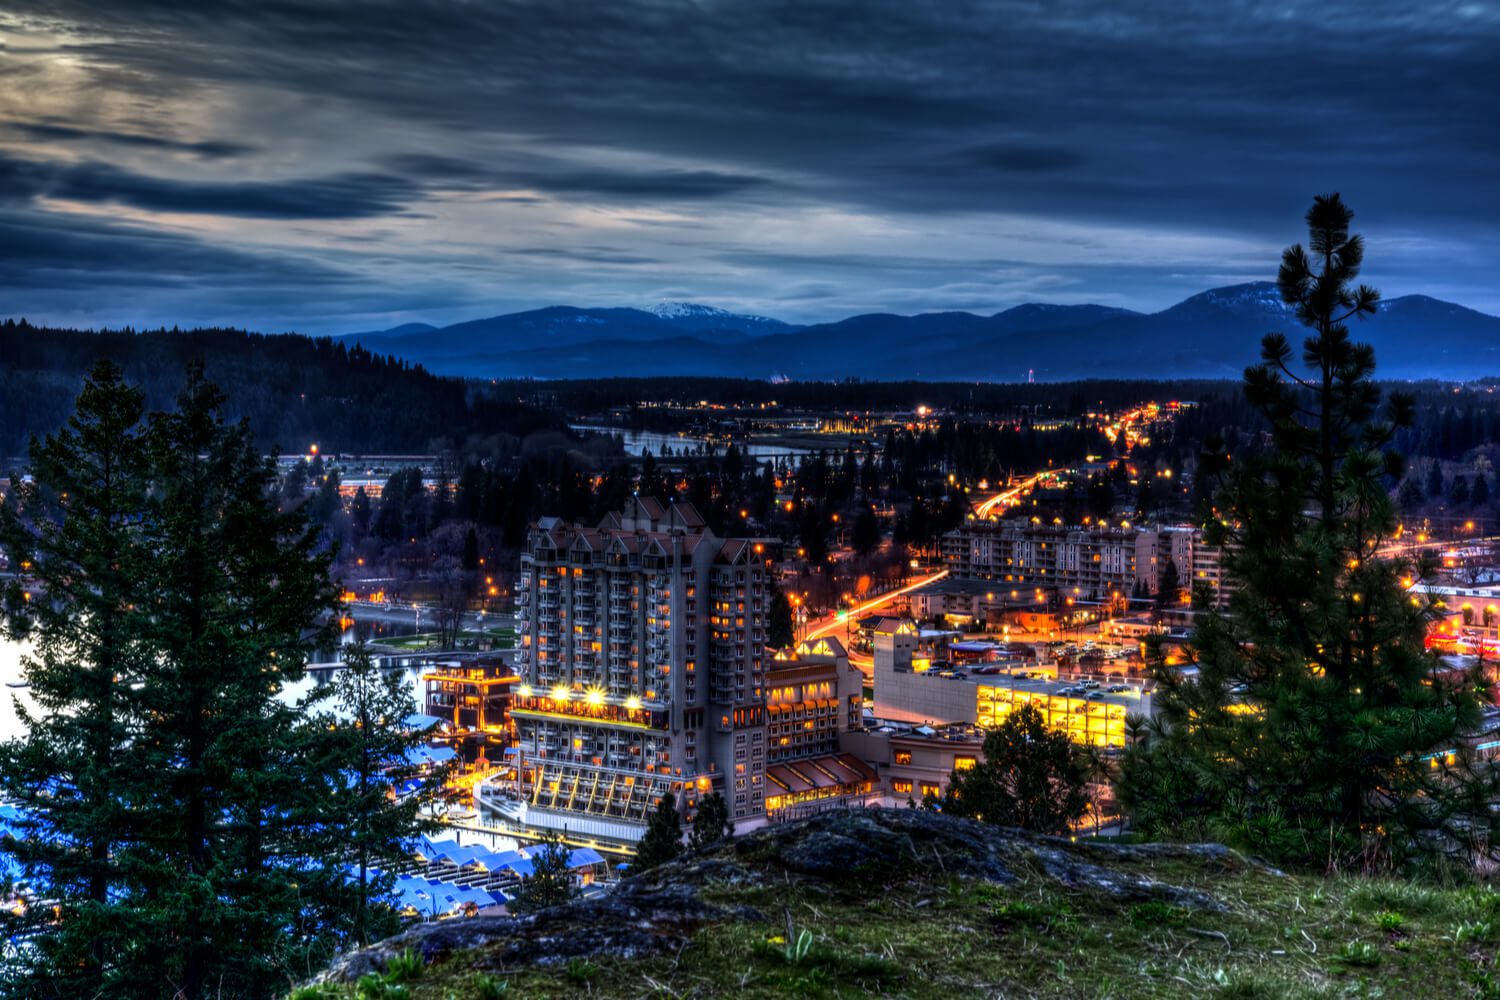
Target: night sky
[[326, 167]]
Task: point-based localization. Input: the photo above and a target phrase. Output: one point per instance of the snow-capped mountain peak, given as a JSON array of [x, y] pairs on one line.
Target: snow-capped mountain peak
[[693, 311], [1254, 295], [686, 310]]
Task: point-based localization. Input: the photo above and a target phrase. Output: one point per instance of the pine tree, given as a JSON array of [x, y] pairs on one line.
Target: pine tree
[[1309, 731], [779, 624], [470, 560], [1410, 496], [1168, 587], [663, 838], [865, 535], [231, 831], [551, 880], [1031, 776], [359, 513], [74, 534], [362, 744], [711, 822], [1435, 480], [1458, 491], [1479, 496], [183, 814], [1101, 497]]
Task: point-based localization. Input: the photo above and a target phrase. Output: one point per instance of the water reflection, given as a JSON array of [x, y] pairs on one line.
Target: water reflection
[[10, 673], [11, 653]]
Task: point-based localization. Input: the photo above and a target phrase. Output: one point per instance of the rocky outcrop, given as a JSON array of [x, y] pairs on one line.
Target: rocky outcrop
[[853, 850]]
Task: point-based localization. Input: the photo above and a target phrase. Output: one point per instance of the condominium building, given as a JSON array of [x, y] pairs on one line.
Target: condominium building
[[1093, 562], [643, 670]]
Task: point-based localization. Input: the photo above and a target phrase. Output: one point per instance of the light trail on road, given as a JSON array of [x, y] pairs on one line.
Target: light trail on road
[[832, 622], [1006, 496]]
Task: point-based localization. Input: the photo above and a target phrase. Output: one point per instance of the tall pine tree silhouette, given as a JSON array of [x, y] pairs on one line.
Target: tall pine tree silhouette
[[1319, 730]]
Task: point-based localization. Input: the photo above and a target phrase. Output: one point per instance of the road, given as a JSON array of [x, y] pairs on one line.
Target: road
[[832, 623], [1434, 545], [1008, 495], [407, 615]]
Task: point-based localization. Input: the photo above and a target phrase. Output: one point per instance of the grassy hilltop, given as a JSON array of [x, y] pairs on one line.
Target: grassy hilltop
[[911, 904]]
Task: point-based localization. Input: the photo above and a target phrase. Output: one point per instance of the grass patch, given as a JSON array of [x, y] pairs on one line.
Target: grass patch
[[938, 938]]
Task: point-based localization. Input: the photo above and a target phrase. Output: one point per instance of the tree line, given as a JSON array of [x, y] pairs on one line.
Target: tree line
[[293, 390]]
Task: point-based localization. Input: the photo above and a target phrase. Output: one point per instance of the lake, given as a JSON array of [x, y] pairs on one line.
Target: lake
[[11, 653]]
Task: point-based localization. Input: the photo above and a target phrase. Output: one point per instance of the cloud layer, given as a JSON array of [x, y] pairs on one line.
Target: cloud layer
[[311, 165]]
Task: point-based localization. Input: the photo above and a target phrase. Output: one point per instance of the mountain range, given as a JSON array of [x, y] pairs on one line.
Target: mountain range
[[1214, 335]]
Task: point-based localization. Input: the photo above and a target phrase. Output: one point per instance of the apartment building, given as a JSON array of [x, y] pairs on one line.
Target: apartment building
[[643, 670], [1088, 561], [1092, 562]]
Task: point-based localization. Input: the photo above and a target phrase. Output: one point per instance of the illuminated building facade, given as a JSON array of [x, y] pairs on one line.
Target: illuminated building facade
[[915, 762], [643, 669], [813, 698], [473, 694], [908, 689]]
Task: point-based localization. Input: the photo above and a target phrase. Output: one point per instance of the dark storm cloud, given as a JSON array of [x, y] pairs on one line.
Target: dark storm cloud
[[826, 87], [48, 250], [557, 178], [55, 132], [343, 196], [1015, 158], [1141, 121], [584, 254]]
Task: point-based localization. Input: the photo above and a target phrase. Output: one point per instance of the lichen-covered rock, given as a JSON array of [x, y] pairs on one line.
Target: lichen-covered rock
[[645, 916], [660, 910]]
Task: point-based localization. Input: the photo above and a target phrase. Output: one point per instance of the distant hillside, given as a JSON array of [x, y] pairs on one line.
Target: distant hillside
[[565, 326], [1211, 335], [294, 391]]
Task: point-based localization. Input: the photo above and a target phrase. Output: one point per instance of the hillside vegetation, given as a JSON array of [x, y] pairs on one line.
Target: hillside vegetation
[[293, 390], [906, 903]]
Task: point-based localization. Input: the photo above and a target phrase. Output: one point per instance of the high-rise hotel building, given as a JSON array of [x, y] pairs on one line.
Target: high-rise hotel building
[[643, 668]]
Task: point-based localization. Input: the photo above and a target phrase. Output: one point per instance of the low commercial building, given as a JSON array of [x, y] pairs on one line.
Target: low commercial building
[[916, 761], [909, 689]]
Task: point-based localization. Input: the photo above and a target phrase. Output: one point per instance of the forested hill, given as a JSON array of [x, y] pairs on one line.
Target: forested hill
[[294, 390]]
